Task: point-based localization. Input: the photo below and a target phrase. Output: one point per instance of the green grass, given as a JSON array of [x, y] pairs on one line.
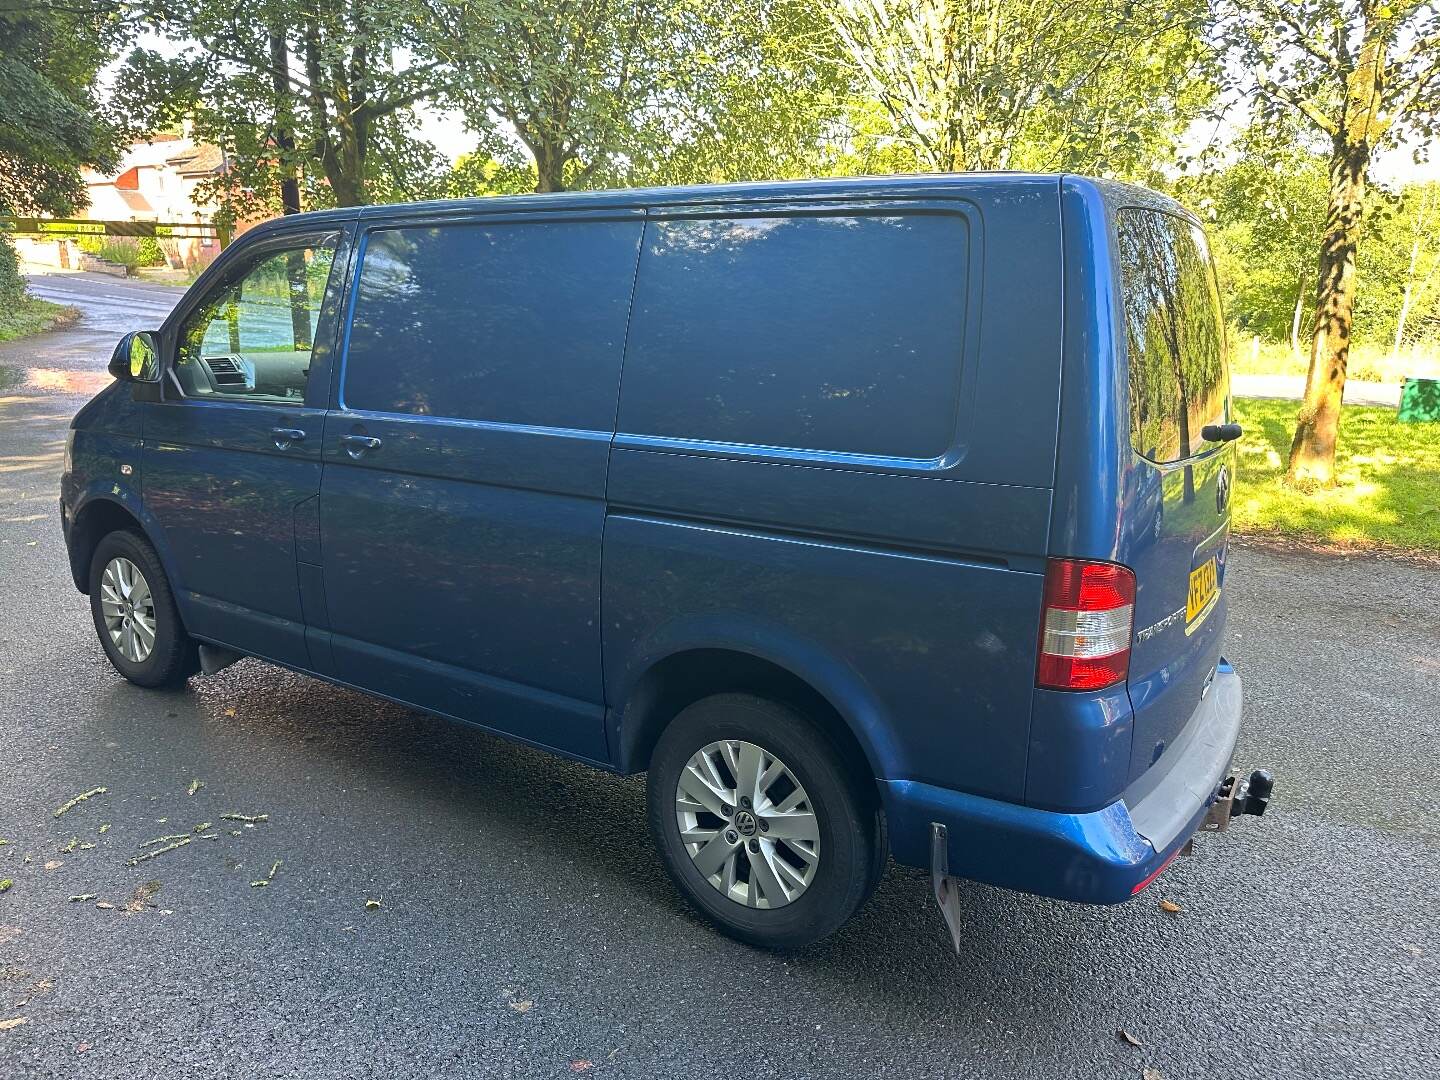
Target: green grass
[[1388, 496], [30, 316]]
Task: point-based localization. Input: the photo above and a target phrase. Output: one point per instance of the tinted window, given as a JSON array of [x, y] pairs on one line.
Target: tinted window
[[1174, 334], [519, 323], [839, 333], [251, 338]]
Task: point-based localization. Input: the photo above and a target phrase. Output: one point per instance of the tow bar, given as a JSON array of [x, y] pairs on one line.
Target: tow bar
[[1236, 798]]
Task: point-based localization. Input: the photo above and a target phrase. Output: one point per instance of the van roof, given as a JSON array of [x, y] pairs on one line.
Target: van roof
[[915, 184]]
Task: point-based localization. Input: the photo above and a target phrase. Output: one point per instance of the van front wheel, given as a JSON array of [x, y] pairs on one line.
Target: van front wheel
[[135, 614], [761, 822]]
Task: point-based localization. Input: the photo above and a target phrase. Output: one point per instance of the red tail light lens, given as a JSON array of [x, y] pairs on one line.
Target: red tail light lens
[[1086, 625]]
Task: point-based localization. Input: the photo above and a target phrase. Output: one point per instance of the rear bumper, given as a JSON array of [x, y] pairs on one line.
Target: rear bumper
[[1100, 857]]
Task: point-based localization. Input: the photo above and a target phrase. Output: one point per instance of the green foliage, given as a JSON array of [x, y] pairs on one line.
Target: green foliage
[[1101, 88], [1389, 493], [50, 122], [150, 252], [12, 285], [320, 90]]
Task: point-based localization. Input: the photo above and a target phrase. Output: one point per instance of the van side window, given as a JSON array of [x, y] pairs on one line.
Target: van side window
[[520, 323], [251, 338], [838, 332], [1174, 334]]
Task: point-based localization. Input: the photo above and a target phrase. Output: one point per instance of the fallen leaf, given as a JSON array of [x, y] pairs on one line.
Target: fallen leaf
[[1170, 906], [372, 905], [5, 885], [80, 1048], [80, 898], [54, 864], [195, 785], [522, 1006], [141, 896], [1148, 1073], [6, 1025], [1127, 1037], [228, 712], [104, 905], [1414, 950], [105, 827], [581, 1065]]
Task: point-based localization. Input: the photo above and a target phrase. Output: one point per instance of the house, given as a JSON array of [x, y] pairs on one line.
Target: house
[[157, 180]]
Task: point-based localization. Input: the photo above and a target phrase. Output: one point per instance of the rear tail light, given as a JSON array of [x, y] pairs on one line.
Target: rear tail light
[[1085, 630]]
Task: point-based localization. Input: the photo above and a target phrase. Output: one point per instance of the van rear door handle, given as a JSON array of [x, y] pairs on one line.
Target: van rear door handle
[[357, 446], [285, 436]]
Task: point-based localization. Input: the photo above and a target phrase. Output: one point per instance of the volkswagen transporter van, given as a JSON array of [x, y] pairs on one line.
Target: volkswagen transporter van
[[873, 518]]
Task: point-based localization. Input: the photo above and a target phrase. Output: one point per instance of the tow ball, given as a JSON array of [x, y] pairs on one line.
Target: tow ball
[[1236, 797]]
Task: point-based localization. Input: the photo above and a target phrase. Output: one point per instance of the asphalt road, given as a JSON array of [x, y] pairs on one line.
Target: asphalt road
[[525, 929]]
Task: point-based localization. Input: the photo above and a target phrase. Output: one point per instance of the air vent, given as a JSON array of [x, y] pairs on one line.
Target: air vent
[[221, 363]]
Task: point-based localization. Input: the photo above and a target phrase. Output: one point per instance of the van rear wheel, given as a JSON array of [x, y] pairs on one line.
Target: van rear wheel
[[762, 823], [135, 614]]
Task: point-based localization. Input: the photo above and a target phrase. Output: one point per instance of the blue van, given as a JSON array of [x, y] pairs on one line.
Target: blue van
[[875, 517]]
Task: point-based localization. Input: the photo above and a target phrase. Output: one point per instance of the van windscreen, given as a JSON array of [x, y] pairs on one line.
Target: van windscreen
[[1174, 334]]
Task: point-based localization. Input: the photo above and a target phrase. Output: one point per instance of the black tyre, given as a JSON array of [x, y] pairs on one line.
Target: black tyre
[[762, 822], [135, 614]]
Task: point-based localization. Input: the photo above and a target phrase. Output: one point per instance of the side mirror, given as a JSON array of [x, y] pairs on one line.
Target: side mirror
[[136, 359]]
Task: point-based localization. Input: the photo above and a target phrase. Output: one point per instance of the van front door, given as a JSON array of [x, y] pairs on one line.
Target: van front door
[[463, 500], [232, 453]]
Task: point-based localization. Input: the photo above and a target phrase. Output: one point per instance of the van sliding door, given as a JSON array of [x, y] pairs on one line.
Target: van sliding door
[[462, 502]]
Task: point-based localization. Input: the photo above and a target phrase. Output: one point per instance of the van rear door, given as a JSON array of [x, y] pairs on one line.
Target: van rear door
[[1175, 517]]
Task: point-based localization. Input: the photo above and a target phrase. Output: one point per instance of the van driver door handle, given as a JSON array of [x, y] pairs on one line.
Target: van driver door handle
[[286, 436], [357, 446]]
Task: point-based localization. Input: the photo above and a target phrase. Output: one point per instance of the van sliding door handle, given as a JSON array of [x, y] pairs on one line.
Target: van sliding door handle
[[285, 436], [357, 446]]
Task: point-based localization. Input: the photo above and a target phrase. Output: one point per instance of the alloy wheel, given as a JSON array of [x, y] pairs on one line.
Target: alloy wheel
[[128, 609], [747, 824]]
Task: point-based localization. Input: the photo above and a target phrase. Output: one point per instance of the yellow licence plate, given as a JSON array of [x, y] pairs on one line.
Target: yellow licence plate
[[1204, 588]]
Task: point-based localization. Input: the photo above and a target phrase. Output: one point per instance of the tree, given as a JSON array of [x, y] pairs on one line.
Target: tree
[[1043, 84], [314, 90], [1360, 73], [1264, 210], [51, 123], [605, 92]]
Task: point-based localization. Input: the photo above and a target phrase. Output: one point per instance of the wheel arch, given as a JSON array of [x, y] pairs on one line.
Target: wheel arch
[[671, 682], [96, 519]]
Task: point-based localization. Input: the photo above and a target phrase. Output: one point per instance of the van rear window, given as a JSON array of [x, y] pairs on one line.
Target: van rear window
[[1174, 334], [834, 332]]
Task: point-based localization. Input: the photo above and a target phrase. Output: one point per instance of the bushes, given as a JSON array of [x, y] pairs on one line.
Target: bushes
[[151, 253], [125, 250], [12, 285]]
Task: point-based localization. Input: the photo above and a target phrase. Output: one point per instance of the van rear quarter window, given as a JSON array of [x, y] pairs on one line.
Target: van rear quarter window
[[515, 322], [1174, 334], [828, 332]]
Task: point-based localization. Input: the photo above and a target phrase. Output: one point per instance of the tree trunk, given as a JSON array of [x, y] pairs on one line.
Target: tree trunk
[[1405, 300], [284, 120], [1312, 453], [1297, 316], [549, 167]]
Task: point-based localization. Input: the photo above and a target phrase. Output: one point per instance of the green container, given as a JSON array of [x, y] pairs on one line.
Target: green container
[[1420, 401]]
